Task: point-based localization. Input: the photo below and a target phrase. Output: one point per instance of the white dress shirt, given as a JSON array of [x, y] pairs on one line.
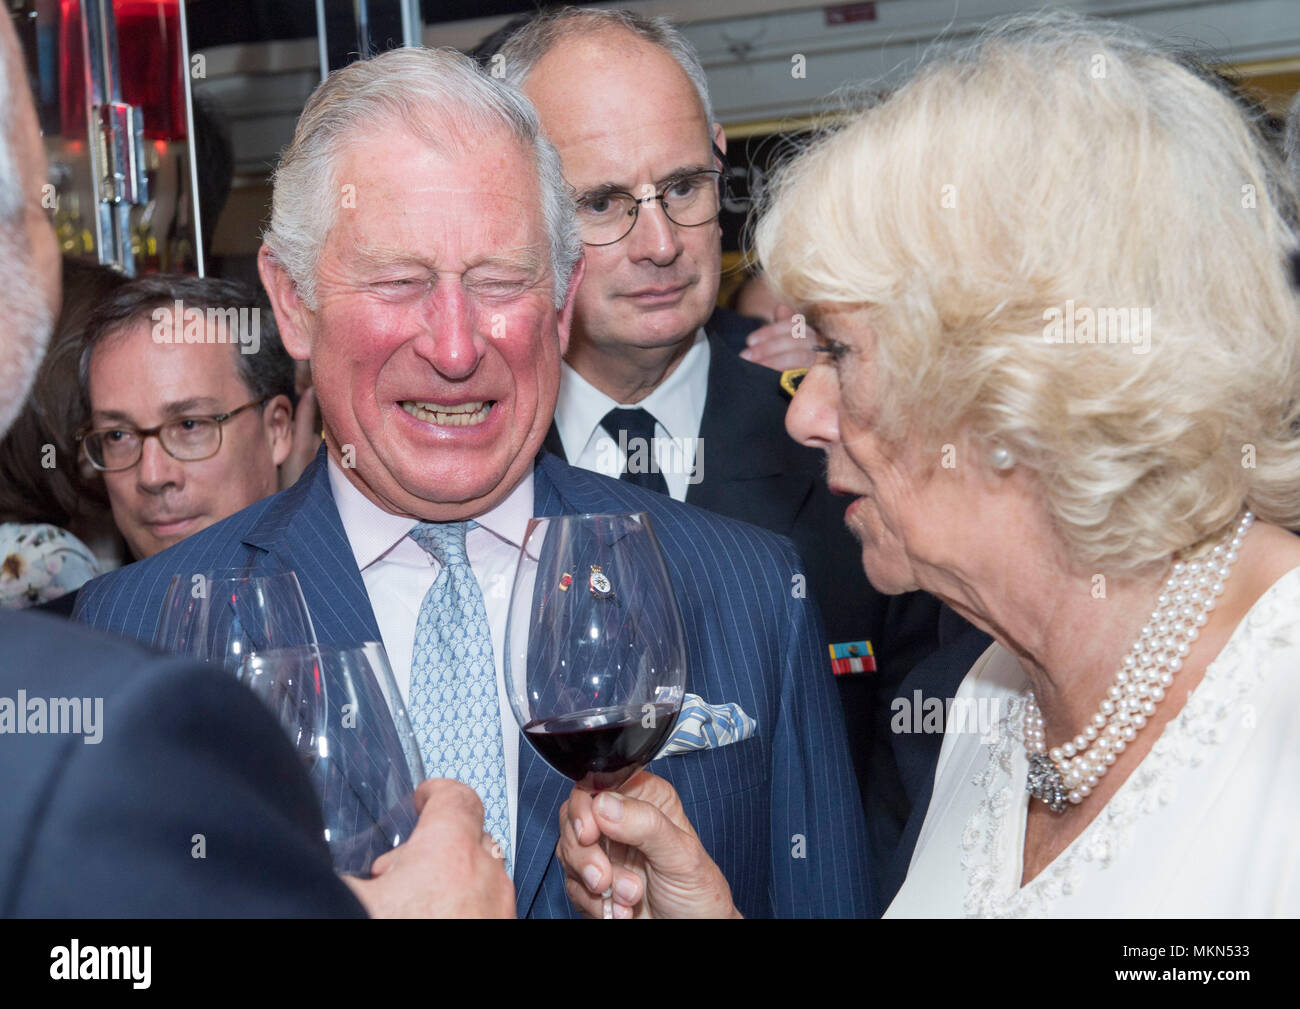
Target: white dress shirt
[[398, 573], [677, 405]]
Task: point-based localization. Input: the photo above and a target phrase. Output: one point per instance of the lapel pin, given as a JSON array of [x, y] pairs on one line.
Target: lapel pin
[[566, 580], [600, 584]]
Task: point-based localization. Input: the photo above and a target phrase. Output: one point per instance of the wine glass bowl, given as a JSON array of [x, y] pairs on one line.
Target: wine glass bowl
[[224, 615], [595, 656], [344, 714], [290, 683]]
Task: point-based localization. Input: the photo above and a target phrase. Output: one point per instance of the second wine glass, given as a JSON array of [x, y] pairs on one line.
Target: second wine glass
[[344, 714]]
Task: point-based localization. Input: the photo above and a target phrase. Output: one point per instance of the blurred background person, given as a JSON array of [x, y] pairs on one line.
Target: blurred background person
[[56, 530], [1118, 514], [776, 343], [190, 403]]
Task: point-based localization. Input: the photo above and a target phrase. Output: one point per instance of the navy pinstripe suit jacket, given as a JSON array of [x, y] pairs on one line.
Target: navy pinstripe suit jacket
[[778, 812]]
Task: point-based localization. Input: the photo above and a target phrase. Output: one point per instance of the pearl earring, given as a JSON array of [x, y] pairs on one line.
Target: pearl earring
[[1002, 458]]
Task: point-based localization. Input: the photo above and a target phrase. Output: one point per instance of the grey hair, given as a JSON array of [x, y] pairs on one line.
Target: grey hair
[[28, 320], [534, 40], [437, 94], [1081, 146], [1292, 141]]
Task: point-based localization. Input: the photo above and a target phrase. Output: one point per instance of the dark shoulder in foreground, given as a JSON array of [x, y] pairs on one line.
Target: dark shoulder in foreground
[[166, 790]]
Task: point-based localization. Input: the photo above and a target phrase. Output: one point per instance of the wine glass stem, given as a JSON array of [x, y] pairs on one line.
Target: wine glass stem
[[607, 898]]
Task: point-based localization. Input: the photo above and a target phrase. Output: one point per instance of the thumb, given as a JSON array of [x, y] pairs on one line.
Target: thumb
[[644, 827], [782, 313]]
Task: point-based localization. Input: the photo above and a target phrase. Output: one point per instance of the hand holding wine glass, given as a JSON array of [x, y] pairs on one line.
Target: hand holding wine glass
[[666, 873], [447, 868], [595, 657]]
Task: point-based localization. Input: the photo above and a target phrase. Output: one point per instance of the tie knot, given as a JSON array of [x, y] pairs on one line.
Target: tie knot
[[638, 423], [445, 540]]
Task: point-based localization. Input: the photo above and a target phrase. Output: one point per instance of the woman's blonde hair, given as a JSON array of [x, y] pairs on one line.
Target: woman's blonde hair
[[1056, 172]]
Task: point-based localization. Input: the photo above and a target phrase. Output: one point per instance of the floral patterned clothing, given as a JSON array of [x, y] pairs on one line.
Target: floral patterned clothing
[[41, 562]]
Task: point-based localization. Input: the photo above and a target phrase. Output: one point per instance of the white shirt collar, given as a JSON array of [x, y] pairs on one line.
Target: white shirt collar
[[373, 533], [677, 403]]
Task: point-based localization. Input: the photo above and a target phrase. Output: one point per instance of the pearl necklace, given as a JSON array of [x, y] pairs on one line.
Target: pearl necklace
[[1069, 773]]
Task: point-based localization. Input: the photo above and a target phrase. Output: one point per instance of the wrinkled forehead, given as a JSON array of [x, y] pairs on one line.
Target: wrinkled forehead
[[481, 193]]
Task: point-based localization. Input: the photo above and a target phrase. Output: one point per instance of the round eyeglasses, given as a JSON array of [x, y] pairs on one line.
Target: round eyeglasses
[[606, 217], [187, 439]]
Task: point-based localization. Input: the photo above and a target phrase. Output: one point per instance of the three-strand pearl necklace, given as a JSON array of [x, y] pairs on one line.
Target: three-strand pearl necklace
[[1069, 773]]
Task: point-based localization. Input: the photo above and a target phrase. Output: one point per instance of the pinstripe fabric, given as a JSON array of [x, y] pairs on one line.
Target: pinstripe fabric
[[779, 811]]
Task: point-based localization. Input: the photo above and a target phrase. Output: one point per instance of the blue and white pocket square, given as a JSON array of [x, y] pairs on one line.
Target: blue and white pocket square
[[704, 726]]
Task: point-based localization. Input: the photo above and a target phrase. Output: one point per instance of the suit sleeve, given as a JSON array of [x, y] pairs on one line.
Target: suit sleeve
[[819, 855], [192, 804]]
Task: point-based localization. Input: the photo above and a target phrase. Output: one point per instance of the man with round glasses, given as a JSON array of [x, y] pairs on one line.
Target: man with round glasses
[[652, 391], [190, 400]]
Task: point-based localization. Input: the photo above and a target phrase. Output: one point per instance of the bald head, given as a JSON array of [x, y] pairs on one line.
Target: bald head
[[626, 117], [29, 302]]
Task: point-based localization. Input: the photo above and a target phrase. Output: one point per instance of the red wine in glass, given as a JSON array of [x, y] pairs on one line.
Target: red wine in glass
[[602, 748], [595, 656]]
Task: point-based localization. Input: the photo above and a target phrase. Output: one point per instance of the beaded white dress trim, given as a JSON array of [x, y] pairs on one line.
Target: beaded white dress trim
[[989, 856]]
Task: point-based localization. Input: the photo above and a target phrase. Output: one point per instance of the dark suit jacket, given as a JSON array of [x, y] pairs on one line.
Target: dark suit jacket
[[752, 470], [107, 829], [776, 811]]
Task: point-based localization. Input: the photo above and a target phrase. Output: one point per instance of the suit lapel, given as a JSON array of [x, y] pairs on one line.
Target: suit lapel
[[302, 532]]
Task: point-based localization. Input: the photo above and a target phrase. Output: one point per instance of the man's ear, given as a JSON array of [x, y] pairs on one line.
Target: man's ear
[[278, 417], [564, 321], [719, 139], [292, 317]]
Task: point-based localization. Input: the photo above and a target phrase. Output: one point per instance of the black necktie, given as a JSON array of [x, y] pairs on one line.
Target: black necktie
[[635, 431]]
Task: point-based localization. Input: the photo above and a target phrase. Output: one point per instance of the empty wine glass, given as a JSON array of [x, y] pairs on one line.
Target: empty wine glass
[[360, 751], [222, 616]]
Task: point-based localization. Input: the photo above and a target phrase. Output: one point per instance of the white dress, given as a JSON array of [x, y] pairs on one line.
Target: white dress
[[1207, 825]]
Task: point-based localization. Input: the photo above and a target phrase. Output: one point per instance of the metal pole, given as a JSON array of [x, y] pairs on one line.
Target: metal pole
[[322, 46], [191, 145], [411, 32]]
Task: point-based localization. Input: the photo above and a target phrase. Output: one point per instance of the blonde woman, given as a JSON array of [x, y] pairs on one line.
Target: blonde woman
[[1058, 371]]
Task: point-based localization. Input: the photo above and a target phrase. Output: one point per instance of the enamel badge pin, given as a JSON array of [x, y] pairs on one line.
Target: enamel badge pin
[[600, 584]]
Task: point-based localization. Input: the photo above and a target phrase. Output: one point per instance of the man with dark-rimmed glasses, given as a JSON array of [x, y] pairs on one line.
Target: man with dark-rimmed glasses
[[190, 398]]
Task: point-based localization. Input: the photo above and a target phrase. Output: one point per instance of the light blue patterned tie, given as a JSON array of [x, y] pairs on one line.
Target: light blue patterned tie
[[453, 704]]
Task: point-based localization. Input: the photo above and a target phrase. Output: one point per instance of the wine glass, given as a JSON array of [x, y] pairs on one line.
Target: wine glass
[[222, 616], [595, 657], [349, 724]]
